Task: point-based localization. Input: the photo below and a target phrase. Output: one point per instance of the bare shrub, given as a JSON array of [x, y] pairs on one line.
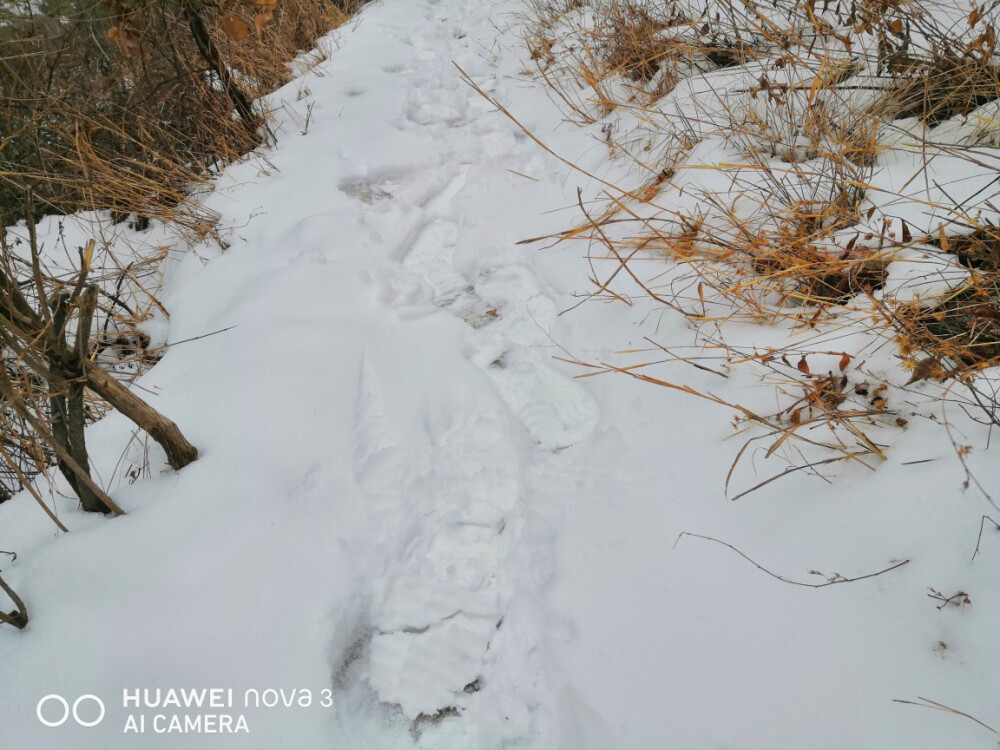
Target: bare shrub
[[124, 104]]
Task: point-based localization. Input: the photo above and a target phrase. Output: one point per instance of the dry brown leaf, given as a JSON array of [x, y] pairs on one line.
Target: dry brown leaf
[[261, 20], [943, 237], [926, 369], [128, 43], [235, 28]]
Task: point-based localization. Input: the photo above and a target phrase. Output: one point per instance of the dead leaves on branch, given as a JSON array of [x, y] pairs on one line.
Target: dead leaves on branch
[[261, 20], [127, 38], [237, 21], [237, 29], [234, 27]]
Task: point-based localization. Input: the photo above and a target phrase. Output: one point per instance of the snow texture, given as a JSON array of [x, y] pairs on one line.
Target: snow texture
[[406, 497]]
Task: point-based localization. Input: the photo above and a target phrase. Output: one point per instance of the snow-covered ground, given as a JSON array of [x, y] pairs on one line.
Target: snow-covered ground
[[409, 506]]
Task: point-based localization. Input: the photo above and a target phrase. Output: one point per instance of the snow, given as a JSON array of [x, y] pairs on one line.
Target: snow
[[923, 273], [408, 499]]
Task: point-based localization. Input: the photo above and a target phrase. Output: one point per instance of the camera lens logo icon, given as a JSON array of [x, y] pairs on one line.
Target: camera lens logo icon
[[56, 717]]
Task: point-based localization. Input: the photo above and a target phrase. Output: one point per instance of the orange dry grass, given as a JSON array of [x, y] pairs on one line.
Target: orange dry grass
[[787, 242]]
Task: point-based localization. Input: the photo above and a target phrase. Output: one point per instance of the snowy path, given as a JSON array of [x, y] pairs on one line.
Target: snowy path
[[405, 499], [447, 631], [451, 628]]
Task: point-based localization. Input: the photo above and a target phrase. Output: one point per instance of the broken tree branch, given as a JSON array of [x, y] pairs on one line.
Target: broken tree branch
[[19, 617]]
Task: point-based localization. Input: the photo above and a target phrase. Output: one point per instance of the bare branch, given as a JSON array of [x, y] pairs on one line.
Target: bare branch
[[928, 703], [829, 582]]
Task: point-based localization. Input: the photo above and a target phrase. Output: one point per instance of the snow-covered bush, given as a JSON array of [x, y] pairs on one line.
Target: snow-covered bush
[[801, 165]]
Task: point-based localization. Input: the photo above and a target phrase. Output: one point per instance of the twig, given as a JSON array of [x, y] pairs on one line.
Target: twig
[[195, 338], [791, 469], [687, 360], [928, 703], [982, 524], [959, 599], [829, 582], [26, 483], [961, 451]]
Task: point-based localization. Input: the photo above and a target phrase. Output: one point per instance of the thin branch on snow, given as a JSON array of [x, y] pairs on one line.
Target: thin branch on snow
[[928, 703], [979, 539], [830, 581], [19, 617]]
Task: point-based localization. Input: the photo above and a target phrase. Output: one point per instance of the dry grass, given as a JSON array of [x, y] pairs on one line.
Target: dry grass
[[113, 106], [787, 228], [956, 338]]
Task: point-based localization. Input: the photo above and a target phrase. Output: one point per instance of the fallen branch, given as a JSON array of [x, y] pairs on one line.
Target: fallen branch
[[19, 617]]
